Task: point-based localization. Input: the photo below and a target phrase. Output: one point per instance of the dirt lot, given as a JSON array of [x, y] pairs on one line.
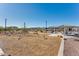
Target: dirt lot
[[71, 47], [30, 45]]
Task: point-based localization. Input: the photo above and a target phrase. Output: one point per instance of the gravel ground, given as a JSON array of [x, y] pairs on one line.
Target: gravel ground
[[30, 45], [71, 47]]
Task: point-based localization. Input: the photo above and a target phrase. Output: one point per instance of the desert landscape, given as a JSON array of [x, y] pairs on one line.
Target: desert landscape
[[30, 44], [39, 29]]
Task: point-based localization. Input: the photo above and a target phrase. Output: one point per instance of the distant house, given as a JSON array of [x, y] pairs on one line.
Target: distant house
[[71, 30], [64, 29], [75, 29]]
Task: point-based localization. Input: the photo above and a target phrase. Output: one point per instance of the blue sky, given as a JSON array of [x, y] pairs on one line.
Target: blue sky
[[35, 15]]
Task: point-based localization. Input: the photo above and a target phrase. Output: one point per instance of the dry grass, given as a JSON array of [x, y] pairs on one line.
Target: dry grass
[[30, 44]]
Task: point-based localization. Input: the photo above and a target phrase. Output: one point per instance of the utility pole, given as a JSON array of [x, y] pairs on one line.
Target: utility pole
[[46, 26], [5, 24], [54, 29], [24, 26], [64, 31], [45, 37]]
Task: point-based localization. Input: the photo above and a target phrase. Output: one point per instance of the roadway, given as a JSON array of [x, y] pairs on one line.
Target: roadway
[[71, 46]]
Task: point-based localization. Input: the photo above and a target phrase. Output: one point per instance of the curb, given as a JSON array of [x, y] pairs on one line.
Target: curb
[[1, 52], [61, 49]]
